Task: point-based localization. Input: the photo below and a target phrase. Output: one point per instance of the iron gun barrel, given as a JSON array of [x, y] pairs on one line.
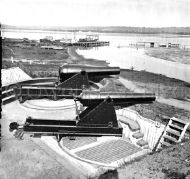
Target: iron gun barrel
[[68, 70], [74, 68], [88, 98]]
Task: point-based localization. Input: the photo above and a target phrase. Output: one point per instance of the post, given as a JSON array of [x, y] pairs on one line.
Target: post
[[12, 60]]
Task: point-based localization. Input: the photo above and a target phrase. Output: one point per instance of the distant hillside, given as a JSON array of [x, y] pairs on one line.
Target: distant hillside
[[108, 29]]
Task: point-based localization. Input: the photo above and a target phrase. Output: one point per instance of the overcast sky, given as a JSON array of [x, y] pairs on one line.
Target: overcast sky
[[148, 13]]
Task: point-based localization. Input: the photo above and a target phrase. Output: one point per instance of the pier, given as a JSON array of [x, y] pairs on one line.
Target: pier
[[91, 44], [88, 41]]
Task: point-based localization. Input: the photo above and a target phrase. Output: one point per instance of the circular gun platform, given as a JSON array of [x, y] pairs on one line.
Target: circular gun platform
[[46, 104]]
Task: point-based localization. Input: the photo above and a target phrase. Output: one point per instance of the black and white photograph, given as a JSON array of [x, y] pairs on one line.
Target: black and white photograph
[[95, 89]]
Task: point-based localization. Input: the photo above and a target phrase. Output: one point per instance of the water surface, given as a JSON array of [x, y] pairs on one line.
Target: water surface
[[119, 53]]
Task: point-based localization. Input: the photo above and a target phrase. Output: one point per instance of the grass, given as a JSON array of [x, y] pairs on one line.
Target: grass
[[163, 111], [44, 62], [112, 174], [43, 70], [161, 86], [35, 53], [147, 77], [23, 159], [172, 162], [170, 54], [112, 85], [158, 84], [43, 67]]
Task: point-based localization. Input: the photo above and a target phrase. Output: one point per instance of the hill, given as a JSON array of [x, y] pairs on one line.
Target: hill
[[107, 29]]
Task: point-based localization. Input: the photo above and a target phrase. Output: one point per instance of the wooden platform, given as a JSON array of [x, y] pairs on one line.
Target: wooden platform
[[91, 44], [107, 151]]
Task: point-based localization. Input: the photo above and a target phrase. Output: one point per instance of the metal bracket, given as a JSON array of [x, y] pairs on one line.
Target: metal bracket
[[77, 81]]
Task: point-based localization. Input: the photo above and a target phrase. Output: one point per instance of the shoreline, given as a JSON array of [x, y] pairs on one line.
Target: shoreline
[[75, 55], [80, 59], [129, 58]]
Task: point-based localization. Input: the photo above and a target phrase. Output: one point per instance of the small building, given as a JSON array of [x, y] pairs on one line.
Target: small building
[[52, 47], [89, 38], [45, 41], [170, 45], [65, 40], [147, 44], [186, 47], [12, 40], [163, 45], [49, 38]]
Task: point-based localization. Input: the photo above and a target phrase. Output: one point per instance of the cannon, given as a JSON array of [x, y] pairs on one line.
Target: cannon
[[94, 73], [86, 97], [89, 98], [71, 81], [98, 119], [75, 76]]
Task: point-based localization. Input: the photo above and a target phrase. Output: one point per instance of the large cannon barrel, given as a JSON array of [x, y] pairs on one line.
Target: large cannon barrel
[[68, 70], [74, 68], [88, 98]]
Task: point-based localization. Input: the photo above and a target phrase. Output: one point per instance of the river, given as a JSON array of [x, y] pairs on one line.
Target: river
[[119, 53]]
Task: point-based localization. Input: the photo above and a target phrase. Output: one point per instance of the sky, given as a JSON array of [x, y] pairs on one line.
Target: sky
[[139, 13]]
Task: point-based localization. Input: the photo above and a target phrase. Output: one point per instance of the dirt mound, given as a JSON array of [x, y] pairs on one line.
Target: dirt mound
[[13, 75]]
